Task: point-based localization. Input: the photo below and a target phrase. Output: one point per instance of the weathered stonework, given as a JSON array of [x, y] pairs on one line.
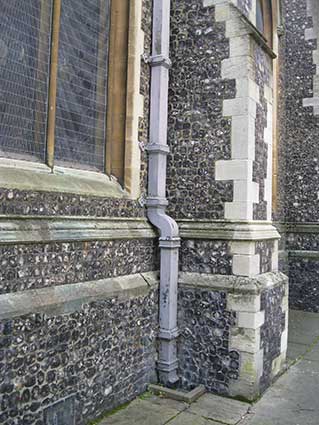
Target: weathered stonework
[[250, 165], [41, 265], [198, 134], [299, 241], [304, 283], [204, 353], [233, 332], [262, 170], [271, 331], [22, 202], [298, 153], [204, 256], [265, 251], [312, 33], [245, 6], [104, 354], [302, 178]]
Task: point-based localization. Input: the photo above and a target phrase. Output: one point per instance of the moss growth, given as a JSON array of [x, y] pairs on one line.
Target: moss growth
[[146, 396], [108, 414], [249, 368]]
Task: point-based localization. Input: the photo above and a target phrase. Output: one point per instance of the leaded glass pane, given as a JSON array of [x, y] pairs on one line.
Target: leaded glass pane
[[82, 80], [25, 27]]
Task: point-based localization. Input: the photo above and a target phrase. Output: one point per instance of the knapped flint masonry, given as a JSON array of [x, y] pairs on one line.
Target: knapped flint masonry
[[201, 96]]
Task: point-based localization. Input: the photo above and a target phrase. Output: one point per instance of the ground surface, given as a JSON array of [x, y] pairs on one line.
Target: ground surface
[[293, 399]]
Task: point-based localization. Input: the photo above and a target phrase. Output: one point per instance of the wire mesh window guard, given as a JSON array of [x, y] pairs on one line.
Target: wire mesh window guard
[[264, 19], [53, 69], [24, 72], [259, 16], [81, 83]]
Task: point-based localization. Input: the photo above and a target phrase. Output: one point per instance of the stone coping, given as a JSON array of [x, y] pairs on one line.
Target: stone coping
[[27, 229], [233, 284], [291, 227], [66, 299], [304, 254], [228, 230], [26, 175], [47, 229]]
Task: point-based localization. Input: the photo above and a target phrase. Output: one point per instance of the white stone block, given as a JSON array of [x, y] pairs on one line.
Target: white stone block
[[234, 170], [250, 320], [243, 247], [316, 84], [275, 261], [246, 87], [240, 46], [246, 265], [236, 67], [278, 364], [310, 101], [247, 340], [243, 137], [238, 210], [315, 55], [239, 106], [285, 305], [252, 365], [268, 133], [310, 34], [236, 27], [268, 94], [246, 191], [284, 341], [223, 12], [268, 197], [241, 302]]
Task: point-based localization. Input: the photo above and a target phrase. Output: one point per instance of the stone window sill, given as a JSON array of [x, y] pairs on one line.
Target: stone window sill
[[25, 175]]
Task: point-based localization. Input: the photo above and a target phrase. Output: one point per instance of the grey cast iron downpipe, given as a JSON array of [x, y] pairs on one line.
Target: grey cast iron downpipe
[[169, 240]]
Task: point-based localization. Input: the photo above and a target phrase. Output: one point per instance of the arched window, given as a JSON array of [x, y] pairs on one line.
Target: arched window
[[264, 19]]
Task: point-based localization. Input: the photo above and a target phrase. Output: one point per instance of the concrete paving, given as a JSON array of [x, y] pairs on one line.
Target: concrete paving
[[292, 400]]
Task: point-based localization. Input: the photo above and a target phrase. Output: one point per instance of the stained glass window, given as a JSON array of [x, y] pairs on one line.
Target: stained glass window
[[24, 73]]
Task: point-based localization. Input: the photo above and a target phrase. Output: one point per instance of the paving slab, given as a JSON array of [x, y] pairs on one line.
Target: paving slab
[[167, 402], [292, 400], [219, 409], [191, 419], [313, 354], [296, 350], [153, 411], [303, 327]]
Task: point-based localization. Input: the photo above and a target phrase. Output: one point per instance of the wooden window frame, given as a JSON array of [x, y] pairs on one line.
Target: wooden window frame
[[117, 52], [124, 101], [117, 89], [268, 21], [276, 19], [125, 108]]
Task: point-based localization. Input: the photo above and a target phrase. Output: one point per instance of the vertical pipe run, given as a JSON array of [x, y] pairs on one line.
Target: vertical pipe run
[[158, 150]]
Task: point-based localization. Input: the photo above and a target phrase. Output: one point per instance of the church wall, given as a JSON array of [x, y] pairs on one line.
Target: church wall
[[301, 151], [219, 189], [78, 316]]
